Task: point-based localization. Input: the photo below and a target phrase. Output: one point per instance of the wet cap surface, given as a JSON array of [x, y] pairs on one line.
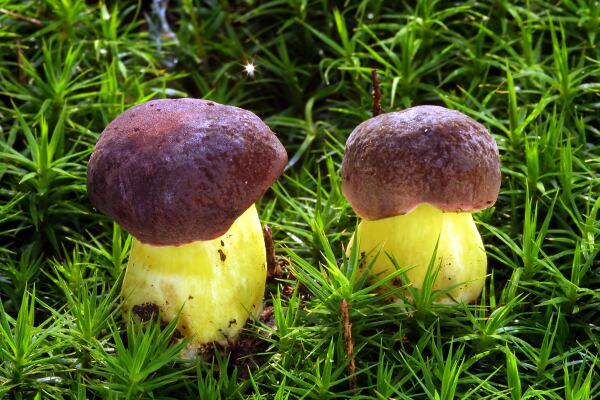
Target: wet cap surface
[[425, 154], [181, 170]]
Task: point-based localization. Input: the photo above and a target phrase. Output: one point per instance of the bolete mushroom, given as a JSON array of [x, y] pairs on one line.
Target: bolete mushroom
[[415, 177], [182, 176]]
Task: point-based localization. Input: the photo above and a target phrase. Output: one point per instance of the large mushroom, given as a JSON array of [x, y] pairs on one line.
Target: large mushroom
[[182, 176], [415, 177]]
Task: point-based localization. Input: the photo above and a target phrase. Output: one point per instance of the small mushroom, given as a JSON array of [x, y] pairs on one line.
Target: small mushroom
[[415, 176], [182, 176]]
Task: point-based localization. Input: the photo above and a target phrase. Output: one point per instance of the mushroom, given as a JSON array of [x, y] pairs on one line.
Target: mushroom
[[182, 176], [415, 177]]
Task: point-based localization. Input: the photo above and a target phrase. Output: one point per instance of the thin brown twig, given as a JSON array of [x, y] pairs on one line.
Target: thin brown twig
[[13, 14], [348, 343], [273, 267], [376, 93]]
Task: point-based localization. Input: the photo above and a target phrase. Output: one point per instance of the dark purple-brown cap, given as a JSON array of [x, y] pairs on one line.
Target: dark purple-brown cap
[[181, 170], [425, 154]]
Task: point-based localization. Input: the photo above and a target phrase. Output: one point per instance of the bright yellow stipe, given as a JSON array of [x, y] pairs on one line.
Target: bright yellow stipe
[[411, 240], [219, 283]]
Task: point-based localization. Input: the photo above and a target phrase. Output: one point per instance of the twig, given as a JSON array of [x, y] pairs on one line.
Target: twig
[[376, 93], [273, 267], [348, 343], [13, 14]]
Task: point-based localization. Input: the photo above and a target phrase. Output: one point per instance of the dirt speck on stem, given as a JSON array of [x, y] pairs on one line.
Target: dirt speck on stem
[[146, 312]]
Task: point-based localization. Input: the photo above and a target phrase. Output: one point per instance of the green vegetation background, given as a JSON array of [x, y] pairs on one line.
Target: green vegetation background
[[529, 71]]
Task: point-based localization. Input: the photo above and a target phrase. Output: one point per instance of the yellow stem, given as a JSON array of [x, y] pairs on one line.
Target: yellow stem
[[411, 240], [217, 284]]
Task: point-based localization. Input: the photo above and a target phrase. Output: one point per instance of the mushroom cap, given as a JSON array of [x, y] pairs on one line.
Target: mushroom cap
[[180, 170], [425, 154]]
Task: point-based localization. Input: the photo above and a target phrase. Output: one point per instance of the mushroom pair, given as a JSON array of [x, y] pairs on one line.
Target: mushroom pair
[[415, 177], [182, 176]]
